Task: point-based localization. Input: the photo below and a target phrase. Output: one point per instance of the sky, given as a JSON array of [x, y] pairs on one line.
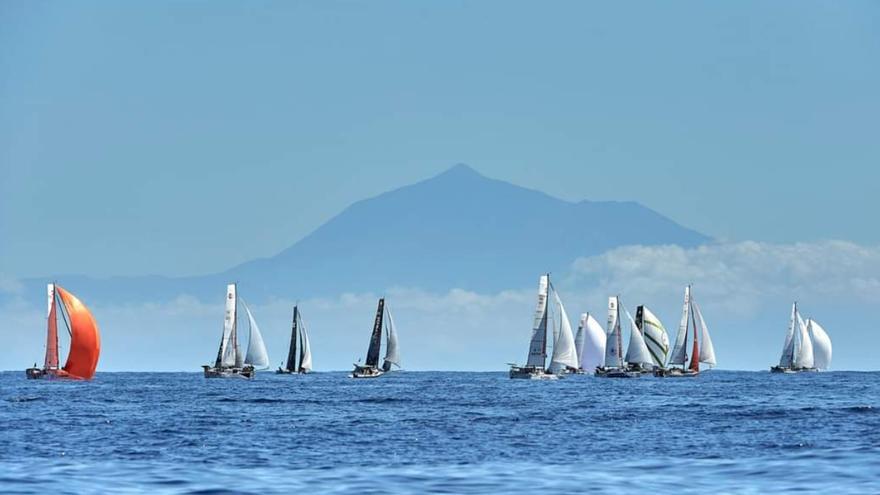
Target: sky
[[133, 135], [183, 138]]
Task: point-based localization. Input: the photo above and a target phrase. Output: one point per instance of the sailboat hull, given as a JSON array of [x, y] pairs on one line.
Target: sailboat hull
[[246, 372], [48, 374], [366, 372], [282, 371], [530, 373], [790, 371], [675, 373]]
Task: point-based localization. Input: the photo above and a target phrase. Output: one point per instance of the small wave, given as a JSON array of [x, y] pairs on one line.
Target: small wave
[[25, 399], [258, 400], [382, 400], [860, 409]]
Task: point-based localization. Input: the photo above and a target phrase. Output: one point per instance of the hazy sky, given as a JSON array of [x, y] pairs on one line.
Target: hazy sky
[[131, 135]]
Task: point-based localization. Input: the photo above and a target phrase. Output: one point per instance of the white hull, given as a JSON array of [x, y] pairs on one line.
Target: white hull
[[530, 373]]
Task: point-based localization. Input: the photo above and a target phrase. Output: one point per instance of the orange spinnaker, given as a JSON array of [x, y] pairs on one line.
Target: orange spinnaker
[[85, 341]]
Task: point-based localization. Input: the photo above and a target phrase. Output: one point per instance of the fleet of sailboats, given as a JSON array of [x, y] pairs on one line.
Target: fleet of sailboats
[[230, 363], [85, 340], [370, 368], [298, 332], [807, 346]]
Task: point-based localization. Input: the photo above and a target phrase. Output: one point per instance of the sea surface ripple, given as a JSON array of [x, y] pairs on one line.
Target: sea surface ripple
[[443, 432]]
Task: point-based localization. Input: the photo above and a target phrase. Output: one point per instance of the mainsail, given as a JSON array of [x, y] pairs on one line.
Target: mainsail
[[654, 333], [679, 352], [538, 344], [637, 352], [256, 354], [614, 345], [51, 362], [821, 345], [226, 355], [392, 352], [564, 352], [85, 340], [376, 336], [593, 349], [787, 357], [803, 348], [291, 351]]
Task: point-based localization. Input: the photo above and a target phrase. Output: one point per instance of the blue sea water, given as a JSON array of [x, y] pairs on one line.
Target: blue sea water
[[418, 432]]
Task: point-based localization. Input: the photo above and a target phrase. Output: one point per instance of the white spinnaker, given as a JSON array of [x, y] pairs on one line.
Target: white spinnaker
[[613, 351], [821, 345], [305, 363], [564, 352], [538, 344], [579, 338], [707, 350], [785, 360], [656, 337], [392, 351], [637, 352], [804, 355], [256, 354], [679, 352], [593, 354], [227, 349]]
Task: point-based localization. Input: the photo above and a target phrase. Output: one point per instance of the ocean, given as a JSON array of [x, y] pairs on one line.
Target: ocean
[[441, 432]]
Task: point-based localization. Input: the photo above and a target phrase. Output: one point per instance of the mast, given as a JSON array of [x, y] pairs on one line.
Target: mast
[[376, 337], [291, 353]]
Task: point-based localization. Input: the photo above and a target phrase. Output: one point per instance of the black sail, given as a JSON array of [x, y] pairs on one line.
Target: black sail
[[376, 338], [291, 354]]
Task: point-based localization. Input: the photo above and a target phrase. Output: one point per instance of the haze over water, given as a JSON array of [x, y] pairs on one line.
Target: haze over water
[[442, 432]]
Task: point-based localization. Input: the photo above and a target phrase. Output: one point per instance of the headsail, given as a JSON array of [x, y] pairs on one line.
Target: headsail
[[637, 352], [707, 350], [821, 345], [51, 361], [376, 336], [564, 352], [803, 355], [256, 352], [593, 354], [614, 342], [305, 357], [655, 335], [679, 352], [579, 338], [392, 352], [85, 340], [538, 344]]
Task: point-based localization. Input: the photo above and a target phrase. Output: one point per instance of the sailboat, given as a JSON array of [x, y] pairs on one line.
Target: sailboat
[[230, 363], [564, 355], [807, 346], [85, 340], [305, 354], [590, 343], [655, 337], [637, 356], [370, 368], [702, 350]]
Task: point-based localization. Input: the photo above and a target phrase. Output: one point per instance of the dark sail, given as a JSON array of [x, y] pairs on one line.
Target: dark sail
[[291, 354], [302, 347], [376, 338]]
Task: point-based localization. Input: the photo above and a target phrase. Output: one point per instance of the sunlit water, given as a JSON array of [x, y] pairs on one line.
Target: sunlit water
[[441, 432]]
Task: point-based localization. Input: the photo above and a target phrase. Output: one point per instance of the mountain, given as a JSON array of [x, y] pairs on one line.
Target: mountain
[[458, 229]]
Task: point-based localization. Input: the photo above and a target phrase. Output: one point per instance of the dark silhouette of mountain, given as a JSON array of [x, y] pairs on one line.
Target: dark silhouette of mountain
[[458, 229]]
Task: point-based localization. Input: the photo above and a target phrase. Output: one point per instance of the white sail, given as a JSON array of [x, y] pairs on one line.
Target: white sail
[[656, 337], [613, 351], [785, 360], [803, 356], [579, 337], [637, 352], [707, 350], [821, 345], [306, 360], [564, 352], [538, 344], [256, 355], [593, 354], [227, 348], [392, 352], [679, 352]]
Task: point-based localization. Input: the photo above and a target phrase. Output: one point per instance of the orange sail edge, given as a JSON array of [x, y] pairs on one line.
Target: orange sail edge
[[85, 340]]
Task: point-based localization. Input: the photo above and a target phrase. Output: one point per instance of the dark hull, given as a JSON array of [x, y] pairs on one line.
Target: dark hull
[[617, 373], [675, 373], [246, 372], [530, 373], [281, 371], [47, 374], [788, 371], [366, 372]]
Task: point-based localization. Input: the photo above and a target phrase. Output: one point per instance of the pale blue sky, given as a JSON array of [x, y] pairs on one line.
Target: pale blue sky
[[131, 132]]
